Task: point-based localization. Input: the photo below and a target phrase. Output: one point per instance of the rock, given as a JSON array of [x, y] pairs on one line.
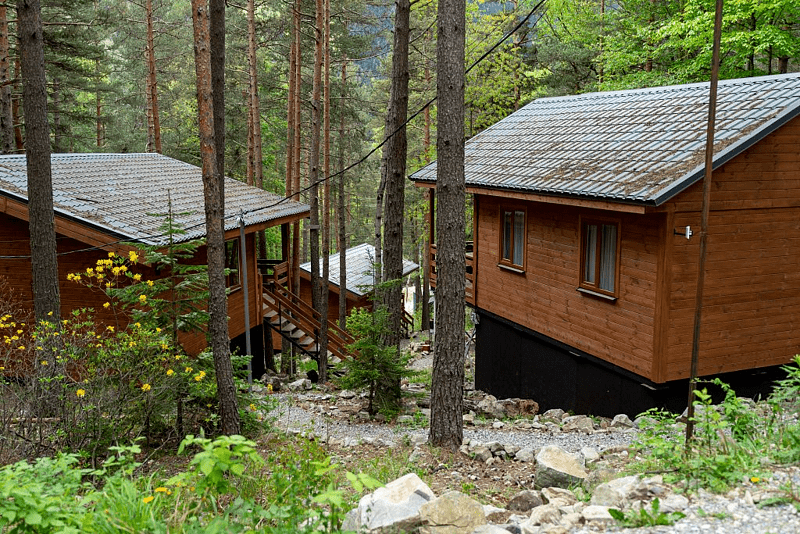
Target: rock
[[559, 496], [618, 492], [673, 503], [469, 419], [525, 500], [510, 448], [547, 513], [644, 421], [621, 421], [404, 419], [578, 423], [557, 468], [489, 529], [524, 455], [491, 408], [497, 425], [415, 456], [482, 453], [452, 513], [298, 385], [590, 454], [597, 513], [519, 407], [397, 505], [418, 439], [553, 415]]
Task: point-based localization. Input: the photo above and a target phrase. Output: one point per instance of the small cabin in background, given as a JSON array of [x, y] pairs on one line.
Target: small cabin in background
[[103, 200], [584, 267]]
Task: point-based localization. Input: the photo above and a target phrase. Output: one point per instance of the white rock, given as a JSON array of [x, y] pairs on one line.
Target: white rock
[[597, 513], [557, 468], [398, 503]]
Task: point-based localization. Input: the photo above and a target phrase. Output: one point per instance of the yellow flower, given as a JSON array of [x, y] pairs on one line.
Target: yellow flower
[[44, 363], [150, 283], [137, 277], [111, 255], [187, 370], [198, 378], [145, 387], [2, 368], [70, 277], [80, 392], [178, 357], [50, 313], [99, 268], [133, 256], [252, 407], [108, 284], [137, 325], [269, 388], [115, 270], [110, 328], [107, 304], [755, 480], [164, 346], [170, 372], [21, 347], [148, 499], [158, 330], [142, 298], [123, 268], [161, 489], [131, 344], [89, 271]]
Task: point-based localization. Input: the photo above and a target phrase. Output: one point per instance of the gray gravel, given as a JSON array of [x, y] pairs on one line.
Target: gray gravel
[[295, 419]]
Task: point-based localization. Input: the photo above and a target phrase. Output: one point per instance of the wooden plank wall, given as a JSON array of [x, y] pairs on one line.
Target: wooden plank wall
[[751, 314], [15, 241], [545, 298]]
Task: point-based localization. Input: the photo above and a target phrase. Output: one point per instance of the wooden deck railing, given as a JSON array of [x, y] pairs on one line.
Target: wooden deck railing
[[469, 272]]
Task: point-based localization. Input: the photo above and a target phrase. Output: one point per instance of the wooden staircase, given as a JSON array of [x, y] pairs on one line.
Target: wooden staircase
[[294, 319]]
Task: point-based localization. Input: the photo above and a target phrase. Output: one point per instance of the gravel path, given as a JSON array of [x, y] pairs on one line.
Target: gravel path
[[295, 419]]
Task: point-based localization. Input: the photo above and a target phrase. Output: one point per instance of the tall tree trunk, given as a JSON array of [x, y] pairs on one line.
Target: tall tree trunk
[[153, 122], [448, 360], [212, 187], [426, 242], [217, 39], [7, 145], [313, 165], [395, 165], [56, 106], [326, 213], [340, 197], [101, 127], [44, 264], [15, 106]]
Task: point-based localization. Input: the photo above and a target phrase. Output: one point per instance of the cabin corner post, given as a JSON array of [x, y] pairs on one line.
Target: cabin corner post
[[663, 291]]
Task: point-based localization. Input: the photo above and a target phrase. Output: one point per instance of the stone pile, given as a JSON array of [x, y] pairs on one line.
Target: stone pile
[[408, 504]]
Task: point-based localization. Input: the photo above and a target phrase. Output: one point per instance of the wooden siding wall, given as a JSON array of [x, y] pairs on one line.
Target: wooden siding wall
[[15, 241], [751, 308], [545, 298]]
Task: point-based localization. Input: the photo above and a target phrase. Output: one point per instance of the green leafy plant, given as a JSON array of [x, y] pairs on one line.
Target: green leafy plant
[[644, 517]]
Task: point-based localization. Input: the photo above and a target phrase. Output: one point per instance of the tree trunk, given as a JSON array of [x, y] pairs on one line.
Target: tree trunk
[[291, 126], [44, 263], [313, 168], [217, 299], [426, 241], [326, 213], [341, 212], [395, 174], [7, 145], [217, 43], [256, 176], [15, 107], [448, 360], [154, 124], [56, 106]]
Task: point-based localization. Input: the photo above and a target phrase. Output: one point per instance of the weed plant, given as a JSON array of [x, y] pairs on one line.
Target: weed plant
[[734, 440]]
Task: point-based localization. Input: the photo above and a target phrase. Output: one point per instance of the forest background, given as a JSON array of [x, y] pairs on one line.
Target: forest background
[[121, 77]]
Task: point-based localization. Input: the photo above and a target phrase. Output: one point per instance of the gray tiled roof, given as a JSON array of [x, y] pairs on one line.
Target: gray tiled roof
[[117, 193], [359, 276], [640, 146]]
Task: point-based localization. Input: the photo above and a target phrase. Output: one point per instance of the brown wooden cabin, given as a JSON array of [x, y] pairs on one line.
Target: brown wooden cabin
[[359, 279], [102, 200], [584, 269]]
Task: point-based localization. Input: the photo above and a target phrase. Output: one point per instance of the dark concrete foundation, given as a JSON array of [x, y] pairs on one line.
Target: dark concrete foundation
[[513, 361]]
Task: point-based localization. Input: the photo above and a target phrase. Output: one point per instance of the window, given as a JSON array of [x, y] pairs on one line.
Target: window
[[599, 256], [512, 244], [232, 263]]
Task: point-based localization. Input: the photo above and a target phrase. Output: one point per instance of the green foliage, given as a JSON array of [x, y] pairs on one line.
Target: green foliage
[[733, 440], [373, 365], [646, 518]]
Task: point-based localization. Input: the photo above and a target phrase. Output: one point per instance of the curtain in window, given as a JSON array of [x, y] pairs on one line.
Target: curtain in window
[[519, 237], [507, 235], [608, 257], [590, 251]]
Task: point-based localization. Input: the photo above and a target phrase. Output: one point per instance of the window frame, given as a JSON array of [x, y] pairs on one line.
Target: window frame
[[503, 262], [233, 281], [594, 288]]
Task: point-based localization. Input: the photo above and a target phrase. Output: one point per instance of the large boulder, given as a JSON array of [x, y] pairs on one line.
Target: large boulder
[[395, 506], [557, 468], [619, 492], [490, 407], [524, 501], [452, 513]]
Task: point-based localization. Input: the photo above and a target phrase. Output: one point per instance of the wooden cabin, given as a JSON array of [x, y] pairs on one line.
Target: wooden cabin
[[103, 200], [587, 219], [359, 279]]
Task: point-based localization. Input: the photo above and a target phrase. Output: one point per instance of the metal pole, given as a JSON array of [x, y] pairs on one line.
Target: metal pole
[[243, 267], [698, 306]]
